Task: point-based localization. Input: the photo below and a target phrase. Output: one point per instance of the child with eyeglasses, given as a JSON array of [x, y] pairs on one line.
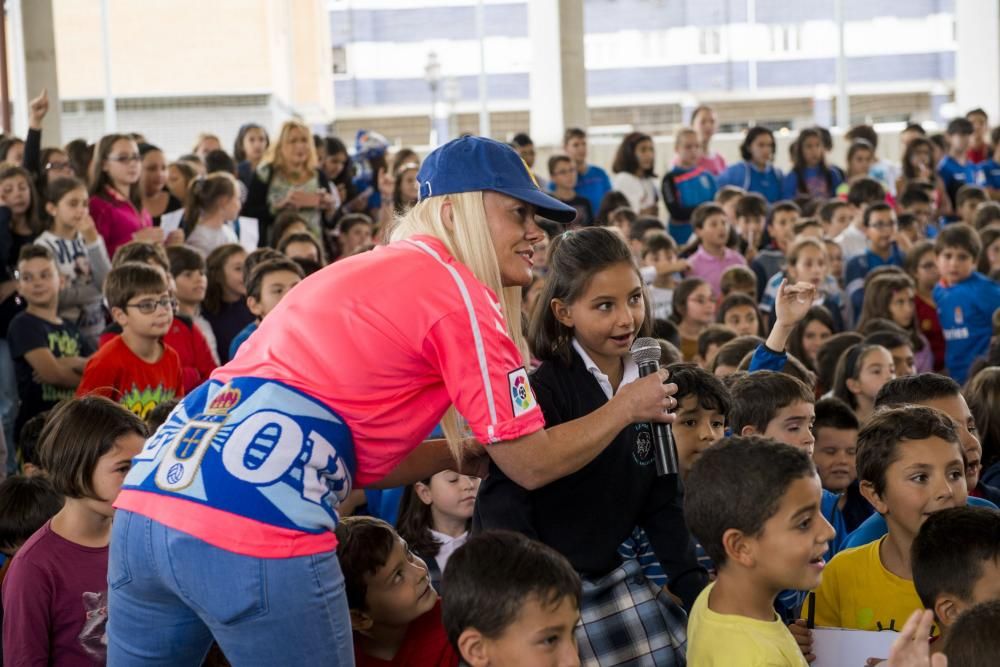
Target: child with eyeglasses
[[116, 201], [136, 369]]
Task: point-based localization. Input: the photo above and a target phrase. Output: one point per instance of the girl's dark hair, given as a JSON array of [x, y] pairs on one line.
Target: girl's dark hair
[[415, 522], [26, 503], [829, 354], [858, 145], [78, 433], [80, 155], [239, 154], [6, 144], [750, 137], [204, 194], [799, 161], [215, 268], [913, 256], [99, 179], [574, 258], [284, 220], [62, 186], [909, 173], [735, 300], [795, 347], [333, 146], [879, 293], [612, 201], [849, 368], [625, 158], [987, 235], [681, 294], [41, 178], [34, 207]]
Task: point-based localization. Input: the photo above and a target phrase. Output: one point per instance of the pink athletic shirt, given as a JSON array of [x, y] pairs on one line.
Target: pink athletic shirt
[[387, 340]]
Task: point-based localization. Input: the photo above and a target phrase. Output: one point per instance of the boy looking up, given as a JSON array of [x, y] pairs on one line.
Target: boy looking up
[[754, 505], [965, 298], [49, 353], [395, 612], [534, 603], [267, 285], [136, 368]]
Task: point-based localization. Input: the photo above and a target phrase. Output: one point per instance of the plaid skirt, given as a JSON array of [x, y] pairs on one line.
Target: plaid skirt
[[626, 620]]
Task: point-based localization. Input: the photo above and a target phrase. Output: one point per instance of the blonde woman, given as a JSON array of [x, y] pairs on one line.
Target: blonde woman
[[339, 390], [288, 179]]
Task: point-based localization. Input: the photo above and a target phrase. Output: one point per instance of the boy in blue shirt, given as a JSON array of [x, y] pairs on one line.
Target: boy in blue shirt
[[967, 201], [879, 222], [687, 185], [955, 169], [592, 182], [989, 170], [966, 299]]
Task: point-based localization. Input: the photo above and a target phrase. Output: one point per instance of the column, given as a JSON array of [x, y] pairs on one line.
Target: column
[[558, 85], [977, 59], [40, 64]]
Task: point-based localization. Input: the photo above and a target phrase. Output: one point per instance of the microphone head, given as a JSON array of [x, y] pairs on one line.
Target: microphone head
[[646, 350]]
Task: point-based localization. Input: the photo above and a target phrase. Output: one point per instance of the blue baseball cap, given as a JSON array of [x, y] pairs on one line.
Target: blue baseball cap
[[471, 164]]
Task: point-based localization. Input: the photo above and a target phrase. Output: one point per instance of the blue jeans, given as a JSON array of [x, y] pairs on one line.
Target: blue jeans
[[170, 593]]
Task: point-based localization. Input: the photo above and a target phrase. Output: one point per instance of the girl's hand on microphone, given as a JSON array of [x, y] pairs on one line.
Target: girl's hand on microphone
[[648, 398]]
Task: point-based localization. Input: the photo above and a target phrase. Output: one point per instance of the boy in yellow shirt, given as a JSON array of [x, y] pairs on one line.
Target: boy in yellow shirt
[[911, 465], [754, 505]]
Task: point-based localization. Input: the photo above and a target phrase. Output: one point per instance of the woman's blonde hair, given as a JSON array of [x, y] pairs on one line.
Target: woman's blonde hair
[[470, 243], [273, 156]]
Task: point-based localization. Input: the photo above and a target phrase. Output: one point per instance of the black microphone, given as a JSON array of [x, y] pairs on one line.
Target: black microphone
[[646, 354]]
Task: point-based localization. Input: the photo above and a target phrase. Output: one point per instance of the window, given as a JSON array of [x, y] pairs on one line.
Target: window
[[709, 41], [339, 60], [785, 38]]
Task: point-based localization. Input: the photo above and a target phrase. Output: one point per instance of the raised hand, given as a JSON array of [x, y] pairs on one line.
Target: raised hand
[[37, 108]]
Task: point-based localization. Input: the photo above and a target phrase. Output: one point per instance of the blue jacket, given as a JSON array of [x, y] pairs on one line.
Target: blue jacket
[[766, 183], [684, 189]]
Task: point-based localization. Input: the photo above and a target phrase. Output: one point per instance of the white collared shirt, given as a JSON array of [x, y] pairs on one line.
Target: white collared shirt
[[630, 374], [448, 546]]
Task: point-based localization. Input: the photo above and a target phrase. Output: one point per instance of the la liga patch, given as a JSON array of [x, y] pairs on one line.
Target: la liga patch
[[522, 398]]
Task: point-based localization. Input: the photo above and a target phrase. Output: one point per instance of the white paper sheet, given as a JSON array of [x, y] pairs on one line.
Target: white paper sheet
[[835, 647]]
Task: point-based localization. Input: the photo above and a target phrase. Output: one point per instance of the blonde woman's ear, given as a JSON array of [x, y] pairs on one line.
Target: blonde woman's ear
[[448, 215]]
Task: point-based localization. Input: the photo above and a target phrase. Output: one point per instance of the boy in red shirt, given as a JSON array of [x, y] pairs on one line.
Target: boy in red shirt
[[395, 612], [136, 369]]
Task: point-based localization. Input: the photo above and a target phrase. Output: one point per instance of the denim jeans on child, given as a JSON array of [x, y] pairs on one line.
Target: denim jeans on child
[[170, 593]]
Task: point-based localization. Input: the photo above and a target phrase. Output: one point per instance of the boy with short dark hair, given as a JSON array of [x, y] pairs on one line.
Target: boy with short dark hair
[[965, 298], [136, 368], [49, 353], [267, 284], [563, 176], [879, 223], [835, 215], [780, 225], [910, 465], [974, 641], [187, 266], [835, 455], [713, 256], [660, 253], [967, 200], [915, 201], [395, 612], [955, 169], [754, 505], [710, 340], [592, 182], [862, 193], [956, 562], [738, 279], [511, 602]]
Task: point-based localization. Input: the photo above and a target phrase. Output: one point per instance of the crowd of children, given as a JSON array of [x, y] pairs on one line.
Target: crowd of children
[[832, 334]]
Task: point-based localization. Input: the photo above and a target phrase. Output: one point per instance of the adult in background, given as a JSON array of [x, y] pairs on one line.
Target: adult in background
[[225, 521], [288, 178]]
